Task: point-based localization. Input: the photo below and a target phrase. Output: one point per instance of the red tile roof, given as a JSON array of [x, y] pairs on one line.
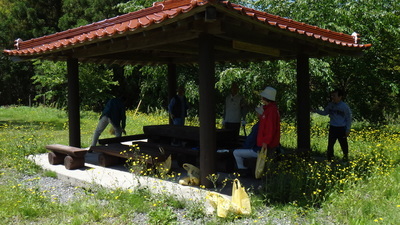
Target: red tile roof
[[163, 11]]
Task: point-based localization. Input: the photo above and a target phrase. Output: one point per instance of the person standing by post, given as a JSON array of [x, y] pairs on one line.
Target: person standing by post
[[339, 125], [114, 113], [269, 130], [233, 112], [178, 107]]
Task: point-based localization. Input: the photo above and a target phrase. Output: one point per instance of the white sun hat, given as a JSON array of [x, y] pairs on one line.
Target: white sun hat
[[269, 93]]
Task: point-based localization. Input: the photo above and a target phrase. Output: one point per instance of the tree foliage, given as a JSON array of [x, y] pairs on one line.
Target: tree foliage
[[15, 83], [95, 84], [30, 18], [81, 12], [134, 5], [372, 82], [23, 19]]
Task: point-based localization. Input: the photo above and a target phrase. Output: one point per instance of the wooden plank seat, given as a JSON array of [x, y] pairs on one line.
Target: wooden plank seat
[[167, 148], [167, 133], [72, 157], [115, 154], [114, 140]]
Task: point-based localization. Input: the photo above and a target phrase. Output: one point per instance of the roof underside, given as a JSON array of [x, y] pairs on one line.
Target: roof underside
[[169, 32]]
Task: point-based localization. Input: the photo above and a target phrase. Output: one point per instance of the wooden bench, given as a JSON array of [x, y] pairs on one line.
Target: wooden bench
[[115, 154], [165, 134], [225, 160], [114, 140], [72, 157], [179, 153]]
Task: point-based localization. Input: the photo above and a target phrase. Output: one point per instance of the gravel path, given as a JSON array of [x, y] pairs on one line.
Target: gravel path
[[63, 192]]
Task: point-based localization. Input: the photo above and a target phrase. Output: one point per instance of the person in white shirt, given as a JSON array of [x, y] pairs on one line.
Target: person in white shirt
[[234, 111]]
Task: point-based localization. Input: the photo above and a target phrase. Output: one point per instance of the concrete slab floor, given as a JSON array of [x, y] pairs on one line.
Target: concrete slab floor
[[119, 177]]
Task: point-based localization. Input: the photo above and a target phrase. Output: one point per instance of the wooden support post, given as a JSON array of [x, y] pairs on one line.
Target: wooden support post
[[207, 108], [303, 104], [171, 84], [73, 103]]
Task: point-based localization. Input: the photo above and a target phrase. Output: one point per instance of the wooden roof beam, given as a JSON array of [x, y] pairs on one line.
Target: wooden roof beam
[[152, 39]]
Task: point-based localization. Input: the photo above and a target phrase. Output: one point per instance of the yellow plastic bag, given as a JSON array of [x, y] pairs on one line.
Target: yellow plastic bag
[[192, 170], [240, 199], [240, 203], [193, 178], [261, 158], [189, 181], [224, 206], [219, 203]]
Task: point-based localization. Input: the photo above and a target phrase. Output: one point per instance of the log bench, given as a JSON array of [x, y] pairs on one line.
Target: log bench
[[72, 157], [115, 154]]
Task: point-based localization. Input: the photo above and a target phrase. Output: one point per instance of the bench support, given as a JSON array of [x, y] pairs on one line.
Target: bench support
[[56, 158], [72, 163], [109, 160]]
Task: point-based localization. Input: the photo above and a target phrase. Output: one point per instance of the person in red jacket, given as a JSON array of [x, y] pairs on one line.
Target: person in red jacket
[[269, 130]]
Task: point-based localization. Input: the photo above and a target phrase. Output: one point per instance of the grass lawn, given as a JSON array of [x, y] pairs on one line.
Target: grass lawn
[[366, 190]]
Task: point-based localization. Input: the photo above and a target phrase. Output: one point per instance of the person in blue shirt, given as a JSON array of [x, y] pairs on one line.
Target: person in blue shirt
[[339, 125], [113, 113], [249, 148]]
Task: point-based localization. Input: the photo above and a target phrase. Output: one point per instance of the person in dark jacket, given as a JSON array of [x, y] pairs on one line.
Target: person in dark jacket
[[114, 113], [178, 107]]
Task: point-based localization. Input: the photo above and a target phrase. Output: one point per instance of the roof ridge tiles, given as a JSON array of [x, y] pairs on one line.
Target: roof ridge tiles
[[159, 12], [172, 4], [90, 27], [144, 21], [284, 22]]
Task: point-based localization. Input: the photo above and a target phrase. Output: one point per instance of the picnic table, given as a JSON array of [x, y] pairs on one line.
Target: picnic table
[[155, 137]]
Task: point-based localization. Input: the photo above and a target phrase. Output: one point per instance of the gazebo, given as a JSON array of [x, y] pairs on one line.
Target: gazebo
[[202, 32]]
